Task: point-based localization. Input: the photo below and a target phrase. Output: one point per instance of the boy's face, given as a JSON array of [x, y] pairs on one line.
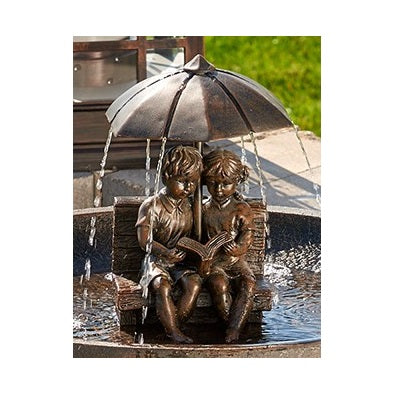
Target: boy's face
[[181, 187], [220, 188]]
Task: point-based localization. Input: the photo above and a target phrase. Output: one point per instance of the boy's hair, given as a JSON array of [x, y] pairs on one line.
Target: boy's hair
[[181, 161], [226, 164]]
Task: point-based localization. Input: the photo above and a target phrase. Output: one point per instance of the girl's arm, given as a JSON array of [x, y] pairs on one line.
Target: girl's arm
[[243, 241]]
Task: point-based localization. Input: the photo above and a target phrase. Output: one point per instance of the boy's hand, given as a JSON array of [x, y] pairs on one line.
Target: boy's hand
[[204, 269], [232, 249], [174, 255]]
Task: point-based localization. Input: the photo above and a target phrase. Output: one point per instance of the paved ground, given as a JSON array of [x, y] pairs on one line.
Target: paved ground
[[289, 181]]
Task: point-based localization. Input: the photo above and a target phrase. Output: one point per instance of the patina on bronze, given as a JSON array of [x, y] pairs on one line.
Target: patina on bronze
[[168, 214]]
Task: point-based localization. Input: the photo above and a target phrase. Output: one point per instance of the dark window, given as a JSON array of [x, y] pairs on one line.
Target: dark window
[[103, 68]]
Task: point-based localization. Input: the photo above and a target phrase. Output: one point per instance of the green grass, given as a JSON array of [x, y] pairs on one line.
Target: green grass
[[288, 66]]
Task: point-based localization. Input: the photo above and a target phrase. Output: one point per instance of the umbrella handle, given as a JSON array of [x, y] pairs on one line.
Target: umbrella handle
[[198, 197]]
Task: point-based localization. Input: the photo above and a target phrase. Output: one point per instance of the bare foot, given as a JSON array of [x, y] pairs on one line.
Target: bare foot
[[178, 337], [232, 336]]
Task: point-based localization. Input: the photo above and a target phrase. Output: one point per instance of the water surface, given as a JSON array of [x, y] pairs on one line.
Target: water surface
[[294, 274]]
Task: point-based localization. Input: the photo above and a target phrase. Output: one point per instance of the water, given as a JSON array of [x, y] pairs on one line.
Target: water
[[148, 159], [295, 275], [93, 309], [243, 159], [97, 203], [261, 184], [99, 183], [149, 243], [259, 170], [315, 185]]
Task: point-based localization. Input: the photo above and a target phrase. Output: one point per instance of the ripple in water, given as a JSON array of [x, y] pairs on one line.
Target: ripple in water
[[294, 274]]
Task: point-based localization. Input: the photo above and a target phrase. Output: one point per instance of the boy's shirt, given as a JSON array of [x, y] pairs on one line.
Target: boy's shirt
[[173, 219]]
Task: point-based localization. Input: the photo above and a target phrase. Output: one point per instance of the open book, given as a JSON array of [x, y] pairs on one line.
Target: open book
[[205, 251]]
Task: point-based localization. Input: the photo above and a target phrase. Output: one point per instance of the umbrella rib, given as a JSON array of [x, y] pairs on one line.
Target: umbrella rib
[[234, 101], [174, 104], [279, 106], [140, 91]]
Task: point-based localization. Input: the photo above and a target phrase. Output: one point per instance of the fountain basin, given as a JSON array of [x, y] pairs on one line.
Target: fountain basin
[[97, 349], [290, 228]]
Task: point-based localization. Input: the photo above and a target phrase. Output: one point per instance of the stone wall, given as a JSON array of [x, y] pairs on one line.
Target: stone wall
[[130, 182]]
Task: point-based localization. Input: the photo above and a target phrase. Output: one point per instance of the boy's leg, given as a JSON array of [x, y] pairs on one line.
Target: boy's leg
[[191, 287], [219, 287], [166, 310], [241, 306]]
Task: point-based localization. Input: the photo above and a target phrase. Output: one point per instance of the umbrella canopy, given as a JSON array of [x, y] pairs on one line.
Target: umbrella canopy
[[196, 103]]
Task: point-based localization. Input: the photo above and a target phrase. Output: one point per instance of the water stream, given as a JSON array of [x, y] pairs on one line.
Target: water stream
[[148, 159], [149, 244], [243, 159], [97, 203], [262, 187], [315, 185]]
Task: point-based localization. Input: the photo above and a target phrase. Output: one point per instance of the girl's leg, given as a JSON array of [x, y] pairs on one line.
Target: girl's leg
[[219, 287], [241, 307]]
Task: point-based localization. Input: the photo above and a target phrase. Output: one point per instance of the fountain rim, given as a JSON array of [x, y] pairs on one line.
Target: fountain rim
[[249, 346], [287, 349]]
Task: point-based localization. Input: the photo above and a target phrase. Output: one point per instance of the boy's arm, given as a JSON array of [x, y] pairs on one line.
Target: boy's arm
[[143, 231], [157, 249]]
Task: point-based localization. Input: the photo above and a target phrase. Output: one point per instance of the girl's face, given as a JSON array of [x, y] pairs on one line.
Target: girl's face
[[180, 187], [221, 188]]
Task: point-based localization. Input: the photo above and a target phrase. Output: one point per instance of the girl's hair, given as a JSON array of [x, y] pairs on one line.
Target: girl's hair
[[226, 164], [181, 161]]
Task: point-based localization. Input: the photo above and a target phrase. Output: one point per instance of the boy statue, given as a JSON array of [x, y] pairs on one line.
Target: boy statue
[[172, 219]]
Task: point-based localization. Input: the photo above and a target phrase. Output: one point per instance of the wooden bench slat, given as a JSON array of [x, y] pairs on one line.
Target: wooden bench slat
[[129, 295]]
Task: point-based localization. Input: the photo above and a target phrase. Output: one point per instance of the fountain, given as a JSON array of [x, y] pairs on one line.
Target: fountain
[[197, 103]]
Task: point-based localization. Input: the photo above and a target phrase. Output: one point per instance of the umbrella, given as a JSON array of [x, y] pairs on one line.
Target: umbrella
[[196, 103]]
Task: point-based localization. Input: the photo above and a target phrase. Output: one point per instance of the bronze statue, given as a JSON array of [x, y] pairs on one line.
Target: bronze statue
[[230, 280], [172, 220], [227, 235]]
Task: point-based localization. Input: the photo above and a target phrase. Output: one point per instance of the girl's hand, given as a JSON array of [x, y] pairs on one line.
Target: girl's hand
[[232, 249]]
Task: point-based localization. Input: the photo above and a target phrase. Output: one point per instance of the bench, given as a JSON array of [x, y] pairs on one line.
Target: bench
[[126, 261]]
